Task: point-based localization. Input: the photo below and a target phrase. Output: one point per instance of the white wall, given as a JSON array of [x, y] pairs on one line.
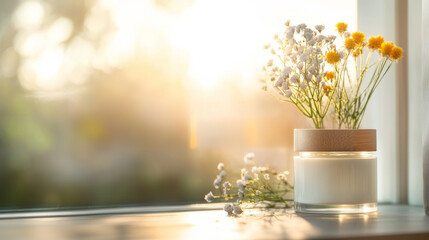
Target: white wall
[[396, 108], [415, 103], [378, 18]]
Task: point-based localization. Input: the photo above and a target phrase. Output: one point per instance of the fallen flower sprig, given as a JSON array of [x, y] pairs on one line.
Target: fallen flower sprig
[[257, 186]]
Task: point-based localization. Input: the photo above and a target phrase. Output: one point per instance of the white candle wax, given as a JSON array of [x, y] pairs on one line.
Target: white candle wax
[[349, 178]]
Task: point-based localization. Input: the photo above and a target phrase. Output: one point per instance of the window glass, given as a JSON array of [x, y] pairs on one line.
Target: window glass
[[135, 102]]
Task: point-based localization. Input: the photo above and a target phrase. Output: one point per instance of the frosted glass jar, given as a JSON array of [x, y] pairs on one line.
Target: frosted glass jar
[[336, 171]]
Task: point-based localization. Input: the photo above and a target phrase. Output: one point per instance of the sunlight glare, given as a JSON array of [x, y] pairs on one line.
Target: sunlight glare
[[29, 15], [29, 44], [217, 46], [42, 72], [60, 30]]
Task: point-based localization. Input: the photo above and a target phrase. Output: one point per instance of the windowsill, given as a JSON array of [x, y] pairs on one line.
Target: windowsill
[[208, 221]]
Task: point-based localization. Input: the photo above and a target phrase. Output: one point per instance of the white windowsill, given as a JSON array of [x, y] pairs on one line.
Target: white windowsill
[[208, 221]]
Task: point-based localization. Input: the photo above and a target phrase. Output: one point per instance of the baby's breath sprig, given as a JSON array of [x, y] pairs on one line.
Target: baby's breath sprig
[[297, 72], [256, 186]]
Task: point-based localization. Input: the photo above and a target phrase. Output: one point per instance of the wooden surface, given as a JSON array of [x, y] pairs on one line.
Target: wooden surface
[[394, 222], [328, 140]]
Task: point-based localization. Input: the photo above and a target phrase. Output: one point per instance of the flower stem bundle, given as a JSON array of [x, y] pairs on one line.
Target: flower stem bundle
[[319, 76]]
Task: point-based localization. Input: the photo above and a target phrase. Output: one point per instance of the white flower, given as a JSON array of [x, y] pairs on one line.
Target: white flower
[[209, 197], [227, 185], [300, 27], [279, 82], [237, 209], [312, 70], [247, 177], [270, 63], [303, 86], [315, 63], [294, 78], [312, 42], [258, 192], [309, 77], [286, 71], [308, 34], [220, 166], [293, 57], [322, 84], [240, 194], [316, 51], [320, 38], [255, 170], [285, 85], [241, 185], [249, 158], [319, 27], [346, 34], [304, 57], [217, 182], [267, 176], [341, 54], [290, 31], [331, 38], [281, 176], [319, 78], [229, 208], [222, 174], [288, 93], [300, 65], [287, 23]]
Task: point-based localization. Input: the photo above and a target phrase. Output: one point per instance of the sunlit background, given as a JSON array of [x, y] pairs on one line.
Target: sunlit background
[[135, 102]]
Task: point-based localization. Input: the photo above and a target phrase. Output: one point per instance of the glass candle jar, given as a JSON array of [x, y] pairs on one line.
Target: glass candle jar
[[336, 171]]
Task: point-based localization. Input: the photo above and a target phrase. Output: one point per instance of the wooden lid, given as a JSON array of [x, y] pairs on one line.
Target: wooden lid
[[335, 140]]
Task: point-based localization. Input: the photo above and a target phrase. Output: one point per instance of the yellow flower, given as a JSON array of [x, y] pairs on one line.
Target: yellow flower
[[330, 75], [386, 48], [332, 57], [358, 37], [326, 89], [349, 43], [375, 42], [341, 27], [396, 53], [357, 52]]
